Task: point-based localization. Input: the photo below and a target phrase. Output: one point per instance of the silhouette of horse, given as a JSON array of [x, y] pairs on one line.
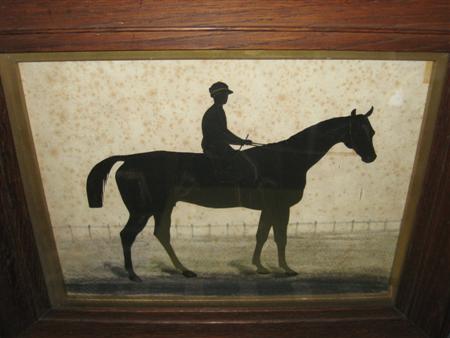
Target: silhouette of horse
[[151, 183]]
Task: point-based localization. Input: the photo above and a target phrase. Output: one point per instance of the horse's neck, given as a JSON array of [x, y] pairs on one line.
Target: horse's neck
[[314, 142]]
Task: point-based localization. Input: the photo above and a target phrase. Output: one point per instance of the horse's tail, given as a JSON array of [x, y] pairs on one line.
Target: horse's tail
[[97, 178]]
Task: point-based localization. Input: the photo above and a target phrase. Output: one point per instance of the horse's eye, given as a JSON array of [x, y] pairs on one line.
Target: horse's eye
[[369, 131]]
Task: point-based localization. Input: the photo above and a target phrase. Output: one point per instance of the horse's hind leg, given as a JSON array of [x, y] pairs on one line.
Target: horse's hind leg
[[134, 226], [162, 233]]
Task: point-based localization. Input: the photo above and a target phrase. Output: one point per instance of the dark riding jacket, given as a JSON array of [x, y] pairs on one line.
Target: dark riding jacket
[[216, 136]]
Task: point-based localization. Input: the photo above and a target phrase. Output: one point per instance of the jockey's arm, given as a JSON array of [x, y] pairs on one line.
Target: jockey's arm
[[233, 139]]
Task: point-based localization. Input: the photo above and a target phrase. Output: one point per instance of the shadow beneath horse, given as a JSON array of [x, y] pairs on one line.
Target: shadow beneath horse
[[243, 269], [116, 270]]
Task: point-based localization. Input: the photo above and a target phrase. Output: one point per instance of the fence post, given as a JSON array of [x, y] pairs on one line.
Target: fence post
[[246, 228], [71, 233]]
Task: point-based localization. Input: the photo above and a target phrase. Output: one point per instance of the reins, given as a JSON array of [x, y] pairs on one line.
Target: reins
[[283, 150]]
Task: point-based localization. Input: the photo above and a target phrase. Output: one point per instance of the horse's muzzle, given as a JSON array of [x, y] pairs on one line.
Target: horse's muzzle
[[370, 158]]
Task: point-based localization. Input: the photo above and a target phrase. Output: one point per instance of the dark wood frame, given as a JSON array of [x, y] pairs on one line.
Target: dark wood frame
[[422, 304]]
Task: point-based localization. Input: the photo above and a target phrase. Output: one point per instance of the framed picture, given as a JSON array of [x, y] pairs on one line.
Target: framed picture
[[367, 236], [318, 160]]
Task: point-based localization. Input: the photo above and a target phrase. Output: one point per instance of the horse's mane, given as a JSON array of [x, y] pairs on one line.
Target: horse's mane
[[305, 136], [322, 128]]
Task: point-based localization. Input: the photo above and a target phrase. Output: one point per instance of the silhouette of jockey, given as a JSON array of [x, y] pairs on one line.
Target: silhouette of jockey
[[217, 138]]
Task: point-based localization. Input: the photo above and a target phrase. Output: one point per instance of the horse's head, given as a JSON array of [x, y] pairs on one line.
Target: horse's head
[[359, 136]]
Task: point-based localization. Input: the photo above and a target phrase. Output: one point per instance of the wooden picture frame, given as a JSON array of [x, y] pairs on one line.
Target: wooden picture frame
[[422, 301]]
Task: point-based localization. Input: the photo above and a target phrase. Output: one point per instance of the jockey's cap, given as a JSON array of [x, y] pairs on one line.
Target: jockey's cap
[[219, 87]]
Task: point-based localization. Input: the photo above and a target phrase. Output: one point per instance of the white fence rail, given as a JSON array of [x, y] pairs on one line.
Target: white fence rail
[[83, 232]]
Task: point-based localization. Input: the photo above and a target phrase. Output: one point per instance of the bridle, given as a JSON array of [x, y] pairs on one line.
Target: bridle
[[350, 133]]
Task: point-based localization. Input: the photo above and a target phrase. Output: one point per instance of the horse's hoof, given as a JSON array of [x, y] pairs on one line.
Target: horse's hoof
[[189, 274], [134, 278]]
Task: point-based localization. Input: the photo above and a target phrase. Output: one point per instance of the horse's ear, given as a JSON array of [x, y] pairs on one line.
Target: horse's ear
[[369, 112], [353, 113]]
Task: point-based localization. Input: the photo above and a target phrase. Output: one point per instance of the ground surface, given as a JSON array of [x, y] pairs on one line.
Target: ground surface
[[326, 263]]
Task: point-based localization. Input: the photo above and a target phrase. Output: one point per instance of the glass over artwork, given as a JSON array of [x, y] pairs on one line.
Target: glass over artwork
[[226, 177]]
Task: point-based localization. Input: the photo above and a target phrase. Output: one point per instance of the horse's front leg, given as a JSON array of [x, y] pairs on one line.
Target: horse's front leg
[[162, 233], [280, 233], [261, 237]]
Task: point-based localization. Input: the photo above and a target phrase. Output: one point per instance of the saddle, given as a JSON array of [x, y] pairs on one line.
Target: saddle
[[237, 177], [239, 170]]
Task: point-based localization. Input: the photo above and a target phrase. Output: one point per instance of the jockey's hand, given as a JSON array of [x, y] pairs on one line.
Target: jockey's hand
[[247, 142]]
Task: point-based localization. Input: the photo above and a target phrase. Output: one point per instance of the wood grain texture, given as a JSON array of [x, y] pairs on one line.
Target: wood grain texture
[[357, 329], [185, 40], [372, 322], [23, 295], [318, 15], [424, 290], [225, 314], [106, 25], [149, 25]]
